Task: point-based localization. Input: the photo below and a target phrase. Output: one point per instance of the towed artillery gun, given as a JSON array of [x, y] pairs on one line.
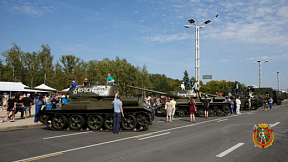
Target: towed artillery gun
[[217, 106], [91, 107]]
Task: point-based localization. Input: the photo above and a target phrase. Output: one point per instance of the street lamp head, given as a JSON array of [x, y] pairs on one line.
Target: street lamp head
[[192, 21], [207, 21], [266, 61], [187, 26], [258, 61]]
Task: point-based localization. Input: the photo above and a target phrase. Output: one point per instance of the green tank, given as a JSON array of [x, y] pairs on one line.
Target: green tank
[[91, 107], [217, 106]]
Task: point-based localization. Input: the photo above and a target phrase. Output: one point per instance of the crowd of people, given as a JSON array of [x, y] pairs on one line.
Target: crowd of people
[[20, 102]]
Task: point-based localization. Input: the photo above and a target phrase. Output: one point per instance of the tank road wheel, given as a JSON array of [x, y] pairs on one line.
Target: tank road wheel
[[44, 119], [143, 119], [201, 112], [220, 112], [226, 109], [59, 122], [181, 113], [211, 112], [76, 122], [129, 122], [95, 122], [108, 122]]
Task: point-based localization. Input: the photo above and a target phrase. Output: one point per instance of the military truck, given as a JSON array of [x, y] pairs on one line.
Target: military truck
[[267, 93], [91, 107], [218, 105]]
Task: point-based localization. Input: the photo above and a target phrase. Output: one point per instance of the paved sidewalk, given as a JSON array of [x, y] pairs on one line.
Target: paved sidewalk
[[19, 123]]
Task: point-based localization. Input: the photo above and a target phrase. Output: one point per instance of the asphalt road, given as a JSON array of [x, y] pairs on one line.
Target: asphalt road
[[227, 138]]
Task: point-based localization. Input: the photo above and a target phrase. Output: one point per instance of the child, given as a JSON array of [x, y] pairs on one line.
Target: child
[[232, 107], [48, 105]]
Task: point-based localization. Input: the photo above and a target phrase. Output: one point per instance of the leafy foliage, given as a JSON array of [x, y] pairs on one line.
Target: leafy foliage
[[36, 68]]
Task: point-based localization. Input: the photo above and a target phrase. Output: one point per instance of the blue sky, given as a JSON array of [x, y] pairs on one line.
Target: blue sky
[[151, 33]]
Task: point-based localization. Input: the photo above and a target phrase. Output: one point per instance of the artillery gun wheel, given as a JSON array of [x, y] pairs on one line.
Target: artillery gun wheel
[[129, 122], [226, 109], [108, 122], [59, 122], [44, 119], [76, 122], [215, 107], [200, 112], [95, 122], [211, 112], [220, 112], [181, 113], [143, 119]]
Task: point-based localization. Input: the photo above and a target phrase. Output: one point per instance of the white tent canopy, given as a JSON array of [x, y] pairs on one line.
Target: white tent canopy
[[15, 87], [43, 86], [65, 90]]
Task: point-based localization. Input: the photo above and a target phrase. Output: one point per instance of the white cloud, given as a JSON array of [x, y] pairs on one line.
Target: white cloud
[[168, 38], [32, 8]]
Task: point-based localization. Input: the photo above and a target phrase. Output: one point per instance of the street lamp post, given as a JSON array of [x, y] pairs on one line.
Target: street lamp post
[[260, 72], [197, 46]]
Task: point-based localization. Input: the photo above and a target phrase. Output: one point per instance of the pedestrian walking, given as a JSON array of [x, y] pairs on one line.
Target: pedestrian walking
[[20, 106], [270, 102], [118, 110], [168, 107], [11, 107], [192, 109], [38, 105], [173, 107], [206, 106], [238, 104], [249, 103], [266, 104], [27, 101], [232, 105]]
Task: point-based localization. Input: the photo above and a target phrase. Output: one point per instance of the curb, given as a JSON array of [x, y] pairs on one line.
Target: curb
[[20, 127]]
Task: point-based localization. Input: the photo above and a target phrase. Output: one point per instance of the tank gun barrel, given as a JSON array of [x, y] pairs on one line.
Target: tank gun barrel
[[144, 89]]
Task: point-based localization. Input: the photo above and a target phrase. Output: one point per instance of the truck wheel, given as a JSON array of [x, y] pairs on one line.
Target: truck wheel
[[181, 113], [211, 112], [108, 122], [95, 122], [279, 102], [129, 122], [143, 119], [201, 112], [59, 122], [76, 122], [220, 112]]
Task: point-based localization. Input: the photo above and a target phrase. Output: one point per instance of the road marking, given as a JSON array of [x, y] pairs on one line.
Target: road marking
[[229, 150], [222, 120], [66, 135], [154, 136], [144, 135], [273, 125], [43, 156], [118, 140]]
